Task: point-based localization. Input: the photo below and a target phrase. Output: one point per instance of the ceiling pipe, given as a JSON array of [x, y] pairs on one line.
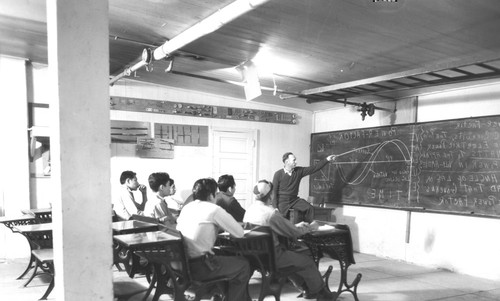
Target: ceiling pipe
[[202, 28], [274, 90], [207, 25], [128, 71]]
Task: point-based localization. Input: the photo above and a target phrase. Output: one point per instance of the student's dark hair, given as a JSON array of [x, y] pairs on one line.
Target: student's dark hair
[[225, 182], [127, 174], [171, 181], [285, 156], [203, 188], [156, 179]]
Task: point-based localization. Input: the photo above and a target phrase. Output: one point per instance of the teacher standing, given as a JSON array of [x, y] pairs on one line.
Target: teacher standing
[[287, 181]]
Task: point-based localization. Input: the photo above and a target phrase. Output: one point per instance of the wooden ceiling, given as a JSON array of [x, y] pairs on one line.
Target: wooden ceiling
[[336, 50]]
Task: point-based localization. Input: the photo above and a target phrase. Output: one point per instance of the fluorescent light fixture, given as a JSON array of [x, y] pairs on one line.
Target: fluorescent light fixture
[[269, 63], [250, 76]]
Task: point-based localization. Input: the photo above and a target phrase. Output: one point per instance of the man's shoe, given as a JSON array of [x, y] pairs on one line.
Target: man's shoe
[[307, 295], [326, 295]]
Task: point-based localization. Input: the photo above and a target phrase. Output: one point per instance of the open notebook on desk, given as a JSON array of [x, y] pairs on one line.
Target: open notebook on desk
[[325, 227]]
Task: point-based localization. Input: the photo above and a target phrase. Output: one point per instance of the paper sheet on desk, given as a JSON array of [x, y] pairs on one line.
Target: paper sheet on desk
[[325, 227], [227, 233]]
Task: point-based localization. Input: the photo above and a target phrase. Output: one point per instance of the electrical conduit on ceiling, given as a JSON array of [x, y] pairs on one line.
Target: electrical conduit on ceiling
[[200, 29]]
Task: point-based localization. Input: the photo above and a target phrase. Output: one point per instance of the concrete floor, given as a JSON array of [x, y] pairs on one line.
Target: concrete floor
[[382, 280]]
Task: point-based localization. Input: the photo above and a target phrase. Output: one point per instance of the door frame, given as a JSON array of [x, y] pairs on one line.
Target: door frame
[[255, 135]]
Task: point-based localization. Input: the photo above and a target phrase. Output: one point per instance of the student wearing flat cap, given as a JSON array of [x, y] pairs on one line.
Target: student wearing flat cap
[[261, 213]]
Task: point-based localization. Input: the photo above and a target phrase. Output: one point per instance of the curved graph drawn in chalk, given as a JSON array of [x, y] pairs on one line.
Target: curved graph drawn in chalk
[[400, 146]]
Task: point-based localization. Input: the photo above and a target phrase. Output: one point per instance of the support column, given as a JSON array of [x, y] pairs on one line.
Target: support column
[[80, 144]]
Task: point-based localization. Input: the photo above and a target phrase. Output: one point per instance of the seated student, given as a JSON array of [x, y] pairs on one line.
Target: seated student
[[161, 183], [199, 223], [225, 197], [126, 205], [174, 203], [263, 214]]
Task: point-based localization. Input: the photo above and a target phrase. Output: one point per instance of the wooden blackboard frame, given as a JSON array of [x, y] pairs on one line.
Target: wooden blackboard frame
[[421, 182]]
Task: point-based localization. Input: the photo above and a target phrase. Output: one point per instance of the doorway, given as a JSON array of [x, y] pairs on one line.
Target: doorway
[[234, 153]]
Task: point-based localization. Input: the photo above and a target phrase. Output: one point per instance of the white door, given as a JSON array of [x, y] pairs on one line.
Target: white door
[[234, 154]]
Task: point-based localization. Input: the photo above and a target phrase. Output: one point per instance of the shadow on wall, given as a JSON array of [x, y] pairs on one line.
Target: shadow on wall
[[350, 221], [430, 238]]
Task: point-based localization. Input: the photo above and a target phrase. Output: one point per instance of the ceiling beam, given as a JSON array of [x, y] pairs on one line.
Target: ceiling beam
[[398, 75]]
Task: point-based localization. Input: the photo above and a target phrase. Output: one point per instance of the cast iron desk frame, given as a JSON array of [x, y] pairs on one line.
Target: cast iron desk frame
[[337, 244], [39, 236], [45, 259], [129, 259], [11, 222], [42, 215], [150, 245]]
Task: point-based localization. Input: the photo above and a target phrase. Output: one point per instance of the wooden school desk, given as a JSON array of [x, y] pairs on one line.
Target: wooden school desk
[[153, 246], [335, 240]]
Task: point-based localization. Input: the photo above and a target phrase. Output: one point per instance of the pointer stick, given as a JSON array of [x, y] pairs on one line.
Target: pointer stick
[[353, 150]]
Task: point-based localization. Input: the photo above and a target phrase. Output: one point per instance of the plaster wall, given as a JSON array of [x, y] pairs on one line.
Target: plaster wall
[[191, 163]]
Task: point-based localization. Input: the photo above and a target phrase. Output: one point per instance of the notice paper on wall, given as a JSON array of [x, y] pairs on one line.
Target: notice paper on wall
[[155, 148]]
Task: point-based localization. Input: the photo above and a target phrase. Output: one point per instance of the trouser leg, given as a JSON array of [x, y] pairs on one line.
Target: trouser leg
[[306, 210], [309, 273]]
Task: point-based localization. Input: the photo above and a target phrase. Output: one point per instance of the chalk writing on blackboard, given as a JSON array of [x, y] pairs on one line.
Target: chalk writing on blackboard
[[367, 166], [451, 166]]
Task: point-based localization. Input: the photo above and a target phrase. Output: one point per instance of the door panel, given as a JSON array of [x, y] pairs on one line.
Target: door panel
[[234, 154]]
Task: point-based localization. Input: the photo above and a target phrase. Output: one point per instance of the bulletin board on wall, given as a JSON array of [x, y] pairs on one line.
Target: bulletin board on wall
[[124, 131], [199, 110], [182, 134], [155, 148], [446, 166]]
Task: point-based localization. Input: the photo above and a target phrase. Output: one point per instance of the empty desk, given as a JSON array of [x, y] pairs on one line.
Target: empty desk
[[128, 227], [10, 222], [42, 215]]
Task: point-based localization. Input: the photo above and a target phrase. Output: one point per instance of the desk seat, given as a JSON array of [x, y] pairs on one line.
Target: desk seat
[[45, 261], [39, 236]]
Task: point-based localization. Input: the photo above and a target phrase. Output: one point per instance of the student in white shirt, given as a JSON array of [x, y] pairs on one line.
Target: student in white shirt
[[161, 184], [199, 223], [174, 203], [126, 205]]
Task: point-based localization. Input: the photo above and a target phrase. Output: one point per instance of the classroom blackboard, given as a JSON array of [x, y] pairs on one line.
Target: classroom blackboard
[[449, 166]]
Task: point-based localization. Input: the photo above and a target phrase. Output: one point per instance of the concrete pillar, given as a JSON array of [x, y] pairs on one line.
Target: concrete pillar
[[79, 71]]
